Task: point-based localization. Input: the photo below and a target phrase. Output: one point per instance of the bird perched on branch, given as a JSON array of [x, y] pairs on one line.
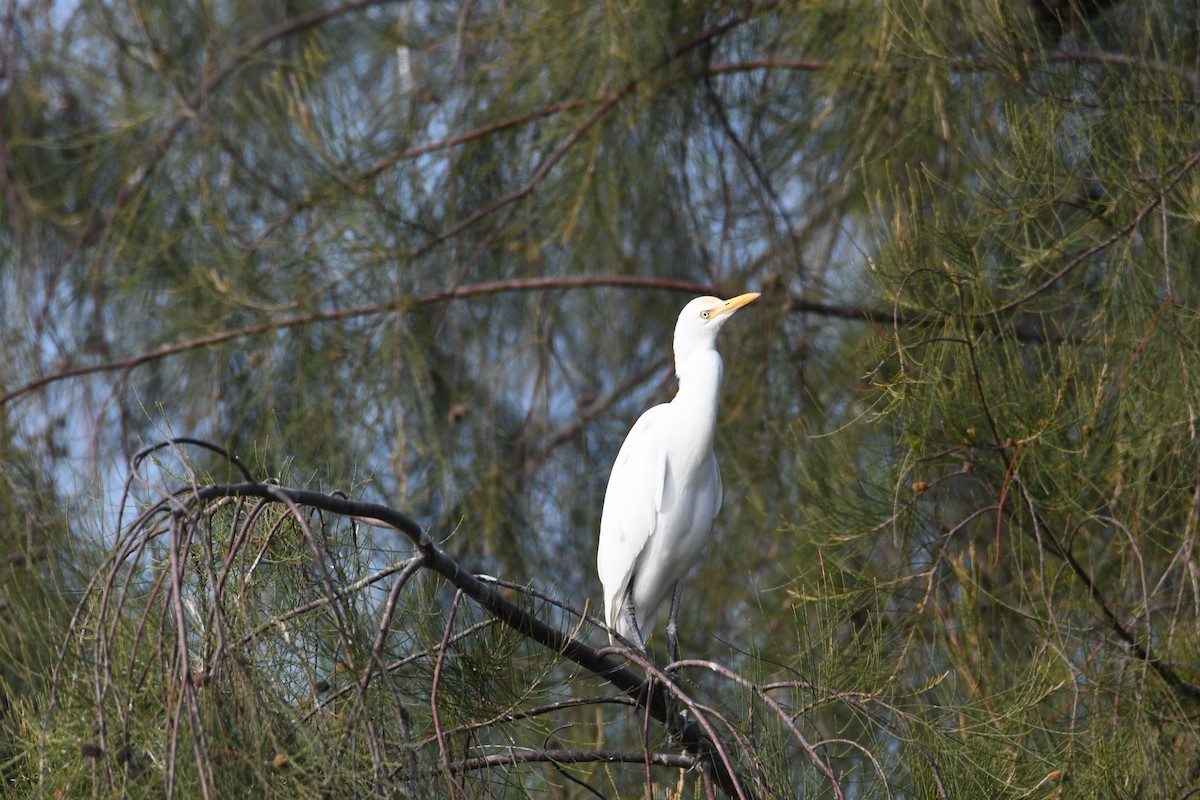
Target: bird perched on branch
[[665, 487]]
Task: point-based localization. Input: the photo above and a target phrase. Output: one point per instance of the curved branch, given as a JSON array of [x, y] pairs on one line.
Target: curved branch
[[468, 291], [655, 698]]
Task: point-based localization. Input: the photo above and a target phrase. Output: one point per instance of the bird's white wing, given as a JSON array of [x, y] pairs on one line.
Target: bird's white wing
[[639, 489], [720, 493]]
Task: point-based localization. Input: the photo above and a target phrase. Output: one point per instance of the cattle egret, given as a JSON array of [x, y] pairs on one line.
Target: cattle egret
[[665, 487]]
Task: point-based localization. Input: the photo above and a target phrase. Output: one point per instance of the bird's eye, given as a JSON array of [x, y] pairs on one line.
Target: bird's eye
[[704, 314]]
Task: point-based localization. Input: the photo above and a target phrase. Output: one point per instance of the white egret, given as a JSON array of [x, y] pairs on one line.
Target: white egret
[[665, 486]]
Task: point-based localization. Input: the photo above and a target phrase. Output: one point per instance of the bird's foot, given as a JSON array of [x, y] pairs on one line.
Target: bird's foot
[[631, 620]]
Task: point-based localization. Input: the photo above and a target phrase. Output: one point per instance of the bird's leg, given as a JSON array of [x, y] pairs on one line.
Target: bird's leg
[[673, 645], [673, 626], [631, 618]]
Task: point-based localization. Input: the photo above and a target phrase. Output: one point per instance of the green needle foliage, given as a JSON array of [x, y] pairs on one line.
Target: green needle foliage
[[428, 255]]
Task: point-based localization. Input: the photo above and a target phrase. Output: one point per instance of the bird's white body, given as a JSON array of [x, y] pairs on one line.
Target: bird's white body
[[665, 487]]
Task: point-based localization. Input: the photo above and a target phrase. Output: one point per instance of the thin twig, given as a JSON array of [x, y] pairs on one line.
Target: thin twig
[[443, 750], [529, 756]]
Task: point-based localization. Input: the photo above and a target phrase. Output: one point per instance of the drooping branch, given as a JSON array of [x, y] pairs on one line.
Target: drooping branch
[[655, 698], [208, 572]]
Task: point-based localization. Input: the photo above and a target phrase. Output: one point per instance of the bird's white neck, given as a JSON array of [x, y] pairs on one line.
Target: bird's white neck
[[700, 375]]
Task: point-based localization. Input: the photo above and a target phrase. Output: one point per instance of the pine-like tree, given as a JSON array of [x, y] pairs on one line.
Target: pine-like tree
[[428, 255]]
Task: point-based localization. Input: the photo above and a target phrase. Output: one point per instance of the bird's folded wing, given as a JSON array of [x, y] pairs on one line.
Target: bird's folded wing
[[720, 493], [639, 488]]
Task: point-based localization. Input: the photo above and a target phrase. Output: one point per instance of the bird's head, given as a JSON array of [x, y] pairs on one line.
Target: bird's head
[[700, 321]]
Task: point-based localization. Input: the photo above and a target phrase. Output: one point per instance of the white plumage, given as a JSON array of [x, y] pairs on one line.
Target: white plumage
[[665, 486]]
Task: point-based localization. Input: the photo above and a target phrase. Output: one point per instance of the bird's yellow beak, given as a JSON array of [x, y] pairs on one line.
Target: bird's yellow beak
[[734, 303]]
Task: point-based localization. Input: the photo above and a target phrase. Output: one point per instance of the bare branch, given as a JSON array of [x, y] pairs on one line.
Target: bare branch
[[657, 759], [656, 698], [514, 285]]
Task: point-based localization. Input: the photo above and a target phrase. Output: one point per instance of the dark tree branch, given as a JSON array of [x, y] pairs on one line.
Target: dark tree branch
[[655, 698], [515, 285]]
